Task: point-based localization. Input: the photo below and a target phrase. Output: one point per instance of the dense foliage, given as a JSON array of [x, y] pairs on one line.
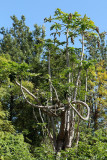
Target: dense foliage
[[12, 145], [75, 72]]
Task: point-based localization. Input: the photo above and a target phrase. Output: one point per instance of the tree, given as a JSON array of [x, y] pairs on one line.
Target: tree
[[97, 79], [20, 45], [64, 111]]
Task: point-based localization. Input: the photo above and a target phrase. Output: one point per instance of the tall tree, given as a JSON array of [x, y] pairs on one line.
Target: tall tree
[[65, 135], [21, 45]]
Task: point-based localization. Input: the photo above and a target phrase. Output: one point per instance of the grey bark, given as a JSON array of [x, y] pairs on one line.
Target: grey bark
[[86, 87]]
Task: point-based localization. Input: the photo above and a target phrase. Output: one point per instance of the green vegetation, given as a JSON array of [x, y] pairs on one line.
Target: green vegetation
[[48, 87]]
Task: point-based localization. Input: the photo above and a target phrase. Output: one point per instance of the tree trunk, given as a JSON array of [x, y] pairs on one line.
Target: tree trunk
[[69, 113], [11, 106], [60, 142], [86, 87]]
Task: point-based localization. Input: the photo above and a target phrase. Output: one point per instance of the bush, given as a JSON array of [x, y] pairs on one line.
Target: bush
[[13, 147]]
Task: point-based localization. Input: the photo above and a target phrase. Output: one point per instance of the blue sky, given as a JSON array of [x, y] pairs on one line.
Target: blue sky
[[36, 10]]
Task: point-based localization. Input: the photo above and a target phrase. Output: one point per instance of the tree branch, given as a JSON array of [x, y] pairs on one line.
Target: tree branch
[[53, 108], [54, 90], [83, 103], [28, 92]]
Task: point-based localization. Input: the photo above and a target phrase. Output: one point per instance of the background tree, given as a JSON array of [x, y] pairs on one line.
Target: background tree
[[21, 45]]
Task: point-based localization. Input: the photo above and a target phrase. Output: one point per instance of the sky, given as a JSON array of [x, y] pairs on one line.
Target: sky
[[36, 10]]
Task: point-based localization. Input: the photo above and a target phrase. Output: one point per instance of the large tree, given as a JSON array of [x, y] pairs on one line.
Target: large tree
[[63, 111]]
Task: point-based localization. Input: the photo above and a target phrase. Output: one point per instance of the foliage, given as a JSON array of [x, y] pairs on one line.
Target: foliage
[[45, 151], [12, 145], [93, 147], [25, 55]]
